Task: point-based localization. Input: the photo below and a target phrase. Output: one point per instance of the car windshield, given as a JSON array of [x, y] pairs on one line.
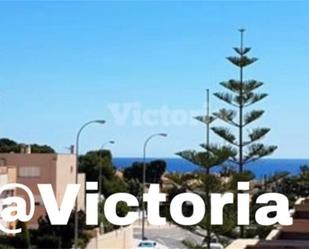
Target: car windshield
[[146, 245]]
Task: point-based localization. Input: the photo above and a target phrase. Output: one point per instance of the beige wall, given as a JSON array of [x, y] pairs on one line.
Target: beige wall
[[82, 191], [65, 173], [119, 239], [47, 165], [55, 169]]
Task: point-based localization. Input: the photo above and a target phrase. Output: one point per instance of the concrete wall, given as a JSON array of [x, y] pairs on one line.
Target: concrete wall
[[119, 239], [65, 173]]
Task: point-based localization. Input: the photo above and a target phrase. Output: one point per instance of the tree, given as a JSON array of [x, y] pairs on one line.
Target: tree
[[121, 209], [242, 94], [90, 164], [154, 171], [93, 160], [8, 146], [61, 236], [135, 187], [304, 173], [213, 155]]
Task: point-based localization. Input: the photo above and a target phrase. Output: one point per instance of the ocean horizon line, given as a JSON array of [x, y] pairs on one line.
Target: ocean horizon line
[[260, 168], [176, 157]]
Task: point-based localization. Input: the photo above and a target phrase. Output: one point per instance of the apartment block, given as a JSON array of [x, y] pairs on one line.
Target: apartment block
[[33, 168]]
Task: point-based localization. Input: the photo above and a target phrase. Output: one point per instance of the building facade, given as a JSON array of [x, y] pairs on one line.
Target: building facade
[[33, 168]]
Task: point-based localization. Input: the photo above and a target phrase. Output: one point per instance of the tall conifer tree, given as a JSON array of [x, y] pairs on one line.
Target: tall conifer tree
[[212, 156], [241, 95]]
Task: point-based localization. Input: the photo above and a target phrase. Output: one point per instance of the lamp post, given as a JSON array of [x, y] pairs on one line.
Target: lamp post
[[76, 177], [100, 168], [144, 178], [101, 229]]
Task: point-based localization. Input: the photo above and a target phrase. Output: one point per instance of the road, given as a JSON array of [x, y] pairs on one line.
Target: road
[[170, 237]]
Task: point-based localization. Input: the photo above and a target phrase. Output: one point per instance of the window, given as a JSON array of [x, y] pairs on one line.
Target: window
[[3, 170], [29, 171], [2, 162]]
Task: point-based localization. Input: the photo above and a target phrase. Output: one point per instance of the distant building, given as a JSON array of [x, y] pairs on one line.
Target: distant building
[[32, 169]]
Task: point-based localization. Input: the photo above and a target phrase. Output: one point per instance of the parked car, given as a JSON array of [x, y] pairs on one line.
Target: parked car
[[147, 244], [216, 246]]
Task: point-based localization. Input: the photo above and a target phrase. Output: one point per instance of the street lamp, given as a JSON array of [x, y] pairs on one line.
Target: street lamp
[[100, 168], [100, 178], [144, 178], [76, 176]]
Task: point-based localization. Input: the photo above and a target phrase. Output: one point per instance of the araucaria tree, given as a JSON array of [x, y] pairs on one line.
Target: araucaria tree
[[240, 96], [212, 155]]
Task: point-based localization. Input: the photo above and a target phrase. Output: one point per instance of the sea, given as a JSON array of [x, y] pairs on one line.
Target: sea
[[261, 168]]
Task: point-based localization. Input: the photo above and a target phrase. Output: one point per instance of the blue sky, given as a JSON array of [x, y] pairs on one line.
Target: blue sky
[[64, 63]]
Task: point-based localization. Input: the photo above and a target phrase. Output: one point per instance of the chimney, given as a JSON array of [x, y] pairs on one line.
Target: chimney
[[72, 149], [28, 149], [22, 149]]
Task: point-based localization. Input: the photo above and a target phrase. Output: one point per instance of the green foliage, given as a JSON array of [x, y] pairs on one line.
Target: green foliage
[[134, 187], [107, 226], [226, 134], [48, 241], [93, 160], [276, 178], [242, 94], [180, 180], [36, 148], [241, 61], [8, 146], [257, 151], [113, 185], [213, 155], [290, 185], [121, 210], [205, 119], [304, 173], [8, 242], [245, 176], [229, 221], [214, 183], [90, 164], [62, 235], [246, 86], [154, 171], [227, 115], [18, 241]]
